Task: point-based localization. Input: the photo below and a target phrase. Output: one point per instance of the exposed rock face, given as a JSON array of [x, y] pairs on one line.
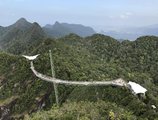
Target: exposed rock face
[[4, 113]]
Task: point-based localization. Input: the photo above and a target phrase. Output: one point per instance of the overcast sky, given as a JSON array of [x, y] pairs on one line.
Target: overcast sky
[[96, 13]]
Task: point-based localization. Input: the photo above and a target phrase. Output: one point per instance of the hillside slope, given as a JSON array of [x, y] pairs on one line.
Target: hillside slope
[[134, 61], [97, 57]]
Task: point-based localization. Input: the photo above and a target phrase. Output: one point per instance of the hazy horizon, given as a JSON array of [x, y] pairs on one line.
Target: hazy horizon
[[100, 15]]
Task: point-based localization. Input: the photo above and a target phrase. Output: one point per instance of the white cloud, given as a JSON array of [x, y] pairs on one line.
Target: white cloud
[[125, 15]]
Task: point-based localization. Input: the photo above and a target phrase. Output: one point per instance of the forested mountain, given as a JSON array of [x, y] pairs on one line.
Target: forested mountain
[[1, 30], [23, 35], [97, 57], [62, 29], [20, 36]]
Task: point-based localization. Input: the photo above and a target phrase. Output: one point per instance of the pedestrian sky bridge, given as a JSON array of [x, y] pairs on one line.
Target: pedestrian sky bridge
[[134, 87], [117, 82]]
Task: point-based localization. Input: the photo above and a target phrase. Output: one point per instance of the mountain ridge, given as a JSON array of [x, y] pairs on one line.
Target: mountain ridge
[[58, 29], [62, 29], [23, 33], [20, 34]]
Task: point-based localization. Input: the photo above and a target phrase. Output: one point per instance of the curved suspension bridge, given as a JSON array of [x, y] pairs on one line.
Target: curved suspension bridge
[[135, 88], [117, 82]]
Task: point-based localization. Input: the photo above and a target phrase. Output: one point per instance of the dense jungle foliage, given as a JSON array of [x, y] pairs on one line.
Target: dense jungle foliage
[[96, 57]]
